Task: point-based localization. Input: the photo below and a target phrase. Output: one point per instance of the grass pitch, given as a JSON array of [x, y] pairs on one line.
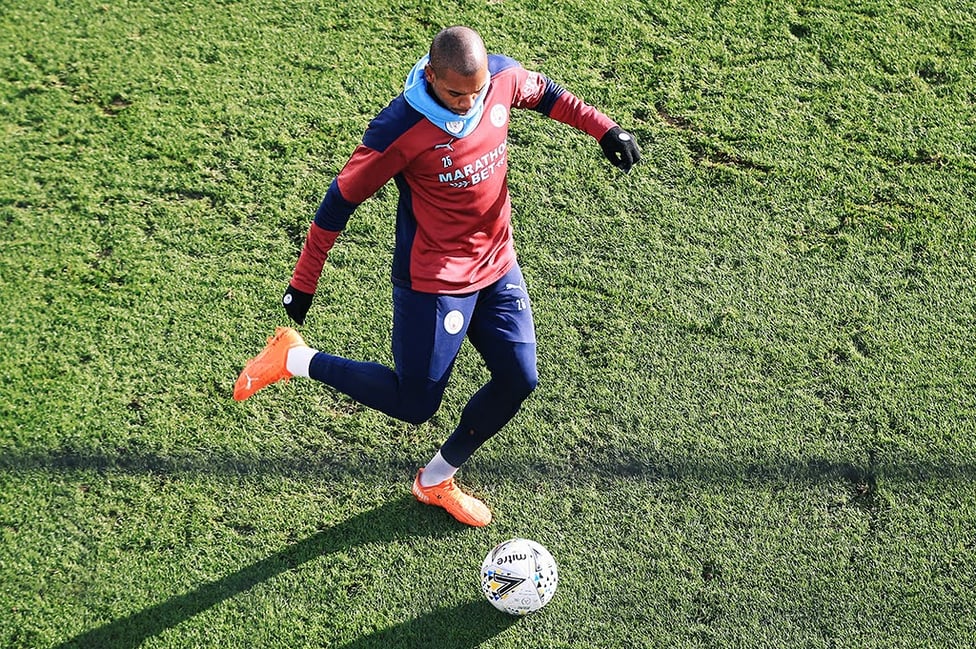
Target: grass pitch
[[756, 414]]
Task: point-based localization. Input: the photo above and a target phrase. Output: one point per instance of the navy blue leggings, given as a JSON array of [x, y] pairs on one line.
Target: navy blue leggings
[[427, 334]]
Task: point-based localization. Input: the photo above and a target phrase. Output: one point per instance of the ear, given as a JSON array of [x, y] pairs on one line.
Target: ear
[[429, 73]]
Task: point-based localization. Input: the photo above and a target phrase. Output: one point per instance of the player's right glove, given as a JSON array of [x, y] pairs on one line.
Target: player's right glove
[[296, 303], [620, 147], [298, 296]]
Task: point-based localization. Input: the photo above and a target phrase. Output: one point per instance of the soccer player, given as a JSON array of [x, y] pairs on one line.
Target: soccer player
[[444, 142]]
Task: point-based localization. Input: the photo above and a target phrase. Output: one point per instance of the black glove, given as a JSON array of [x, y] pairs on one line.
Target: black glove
[[296, 303], [620, 147]]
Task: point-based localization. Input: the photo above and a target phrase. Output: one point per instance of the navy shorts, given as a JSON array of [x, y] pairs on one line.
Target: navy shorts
[[428, 329]]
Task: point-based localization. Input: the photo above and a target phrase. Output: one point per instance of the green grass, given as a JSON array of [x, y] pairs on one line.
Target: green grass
[[756, 418]]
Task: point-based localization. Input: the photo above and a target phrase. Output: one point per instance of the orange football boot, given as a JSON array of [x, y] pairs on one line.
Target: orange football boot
[[270, 366], [467, 509]]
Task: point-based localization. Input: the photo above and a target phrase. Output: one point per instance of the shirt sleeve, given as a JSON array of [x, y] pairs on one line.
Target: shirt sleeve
[[318, 243], [365, 172], [537, 92]]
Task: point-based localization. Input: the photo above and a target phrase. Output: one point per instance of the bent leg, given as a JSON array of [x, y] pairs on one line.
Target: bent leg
[[513, 378], [413, 400], [427, 334], [504, 334]]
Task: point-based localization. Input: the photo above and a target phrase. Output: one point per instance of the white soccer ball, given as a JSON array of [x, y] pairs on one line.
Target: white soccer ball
[[519, 576]]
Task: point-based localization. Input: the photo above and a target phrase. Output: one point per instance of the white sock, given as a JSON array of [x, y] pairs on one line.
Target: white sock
[[298, 360], [436, 471]]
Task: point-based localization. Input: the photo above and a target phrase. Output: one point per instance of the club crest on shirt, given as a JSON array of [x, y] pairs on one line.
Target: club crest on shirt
[[498, 115]]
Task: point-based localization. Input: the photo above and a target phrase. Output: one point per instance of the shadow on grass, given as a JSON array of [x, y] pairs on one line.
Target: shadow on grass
[[470, 624], [384, 524], [862, 467], [893, 466], [461, 627]]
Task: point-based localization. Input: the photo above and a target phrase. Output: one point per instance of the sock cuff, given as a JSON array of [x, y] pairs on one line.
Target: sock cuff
[[437, 470], [298, 361]]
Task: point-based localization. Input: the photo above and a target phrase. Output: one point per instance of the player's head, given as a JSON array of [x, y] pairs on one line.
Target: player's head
[[458, 68]]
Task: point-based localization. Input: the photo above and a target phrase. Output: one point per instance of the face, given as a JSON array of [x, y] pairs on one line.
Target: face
[[457, 92]]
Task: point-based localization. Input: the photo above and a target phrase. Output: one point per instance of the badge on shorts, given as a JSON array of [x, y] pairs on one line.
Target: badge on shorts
[[453, 322]]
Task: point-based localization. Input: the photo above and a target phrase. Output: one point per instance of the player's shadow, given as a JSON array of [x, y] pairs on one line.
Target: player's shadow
[[460, 627], [397, 519]]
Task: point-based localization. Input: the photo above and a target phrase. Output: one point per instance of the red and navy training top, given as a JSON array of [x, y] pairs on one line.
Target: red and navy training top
[[453, 226]]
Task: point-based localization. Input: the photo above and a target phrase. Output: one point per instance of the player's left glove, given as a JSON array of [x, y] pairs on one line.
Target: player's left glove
[[620, 147]]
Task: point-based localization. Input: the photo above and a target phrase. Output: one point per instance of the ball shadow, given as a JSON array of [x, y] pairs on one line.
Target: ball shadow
[[465, 626]]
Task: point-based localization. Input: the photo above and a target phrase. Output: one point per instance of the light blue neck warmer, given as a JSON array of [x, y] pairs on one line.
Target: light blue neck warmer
[[416, 94]]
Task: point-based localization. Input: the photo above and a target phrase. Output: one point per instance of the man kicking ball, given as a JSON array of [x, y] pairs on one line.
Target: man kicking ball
[[444, 142]]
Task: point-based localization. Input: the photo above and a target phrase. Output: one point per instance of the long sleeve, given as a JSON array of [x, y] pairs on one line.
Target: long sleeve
[[539, 93], [365, 172]]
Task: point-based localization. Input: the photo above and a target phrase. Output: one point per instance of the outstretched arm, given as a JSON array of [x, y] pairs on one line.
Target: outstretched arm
[[365, 172], [538, 92]]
